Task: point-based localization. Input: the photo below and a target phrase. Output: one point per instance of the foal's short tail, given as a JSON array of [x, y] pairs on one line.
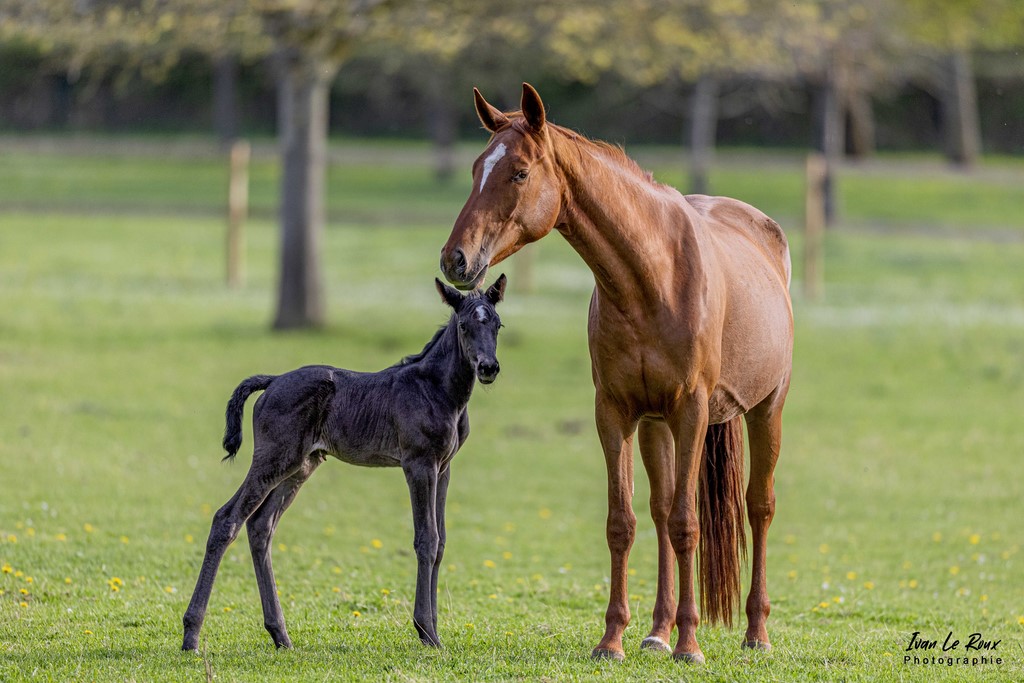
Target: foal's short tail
[[236, 404], [723, 537]]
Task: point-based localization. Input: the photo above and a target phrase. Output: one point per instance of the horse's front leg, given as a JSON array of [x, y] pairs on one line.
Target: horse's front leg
[[689, 427], [616, 434], [421, 476], [658, 453]]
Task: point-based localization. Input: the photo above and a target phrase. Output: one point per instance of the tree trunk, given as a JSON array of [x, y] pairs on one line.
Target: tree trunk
[[961, 128], [703, 126], [303, 89], [860, 129], [442, 124], [225, 98], [828, 137]]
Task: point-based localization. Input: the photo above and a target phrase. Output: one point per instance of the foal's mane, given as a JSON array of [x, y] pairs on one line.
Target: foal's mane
[[416, 357], [438, 336]]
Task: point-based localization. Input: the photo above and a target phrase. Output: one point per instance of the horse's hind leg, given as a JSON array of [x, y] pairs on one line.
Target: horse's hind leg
[[261, 527], [658, 453], [227, 523], [764, 430]]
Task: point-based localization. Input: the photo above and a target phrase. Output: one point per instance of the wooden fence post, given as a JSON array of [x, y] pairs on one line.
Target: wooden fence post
[[814, 228], [238, 210]]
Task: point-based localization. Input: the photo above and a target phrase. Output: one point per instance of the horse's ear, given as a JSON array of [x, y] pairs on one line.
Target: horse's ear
[[449, 295], [496, 292], [533, 108], [491, 117]]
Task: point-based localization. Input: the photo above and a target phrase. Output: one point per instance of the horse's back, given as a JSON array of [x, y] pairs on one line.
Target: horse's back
[[752, 266], [730, 218]]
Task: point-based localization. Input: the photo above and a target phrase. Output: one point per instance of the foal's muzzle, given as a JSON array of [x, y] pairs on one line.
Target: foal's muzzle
[[487, 372]]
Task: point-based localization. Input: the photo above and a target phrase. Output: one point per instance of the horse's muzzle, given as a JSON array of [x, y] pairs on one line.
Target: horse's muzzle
[[459, 272]]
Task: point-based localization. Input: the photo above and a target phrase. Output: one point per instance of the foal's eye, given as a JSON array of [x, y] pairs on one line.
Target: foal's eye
[[520, 176]]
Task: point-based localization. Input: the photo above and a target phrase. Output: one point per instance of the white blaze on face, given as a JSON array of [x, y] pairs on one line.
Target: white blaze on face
[[481, 314], [494, 157]]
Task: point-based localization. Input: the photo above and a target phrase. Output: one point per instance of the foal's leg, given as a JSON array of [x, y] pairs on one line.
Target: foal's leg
[[263, 476], [658, 455], [261, 527], [616, 435], [440, 500], [689, 428], [421, 476], [764, 429]]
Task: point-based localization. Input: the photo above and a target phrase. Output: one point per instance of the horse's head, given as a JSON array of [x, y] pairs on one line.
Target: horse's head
[[478, 325], [516, 195]]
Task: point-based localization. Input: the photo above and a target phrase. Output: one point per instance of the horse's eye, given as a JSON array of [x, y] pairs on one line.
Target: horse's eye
[[520, 176]]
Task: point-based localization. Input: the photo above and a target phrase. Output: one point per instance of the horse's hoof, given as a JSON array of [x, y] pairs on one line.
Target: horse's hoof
[[655, 644], [601, 653], [285, 644], [762, 645], [689, 657]]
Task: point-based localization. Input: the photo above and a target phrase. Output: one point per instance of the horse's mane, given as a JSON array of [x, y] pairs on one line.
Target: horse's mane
[[606, 149]]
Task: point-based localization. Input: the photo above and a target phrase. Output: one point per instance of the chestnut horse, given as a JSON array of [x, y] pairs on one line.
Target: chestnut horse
[[690, 329]]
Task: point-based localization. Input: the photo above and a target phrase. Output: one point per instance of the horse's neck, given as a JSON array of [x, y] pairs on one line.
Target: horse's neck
[[452, 370], [616, 221]]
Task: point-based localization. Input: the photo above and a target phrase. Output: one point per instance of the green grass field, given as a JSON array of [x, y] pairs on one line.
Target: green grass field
[[899, 488]]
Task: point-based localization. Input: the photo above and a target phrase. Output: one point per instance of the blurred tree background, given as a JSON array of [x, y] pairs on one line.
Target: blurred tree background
[[906, 74], [845, 77]]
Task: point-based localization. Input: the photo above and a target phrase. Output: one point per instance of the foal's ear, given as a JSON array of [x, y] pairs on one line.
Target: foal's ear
[[496, 292], [449, 295], [533, 108], [491, 117]]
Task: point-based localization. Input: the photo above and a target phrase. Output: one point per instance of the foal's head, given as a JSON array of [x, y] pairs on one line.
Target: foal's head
[[516, 196], [478, 325]]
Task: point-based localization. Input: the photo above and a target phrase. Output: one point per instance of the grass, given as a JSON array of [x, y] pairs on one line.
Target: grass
[[899, 489]]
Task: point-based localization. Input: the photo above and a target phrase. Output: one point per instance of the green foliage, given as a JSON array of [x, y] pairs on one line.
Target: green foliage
[[898, 487]]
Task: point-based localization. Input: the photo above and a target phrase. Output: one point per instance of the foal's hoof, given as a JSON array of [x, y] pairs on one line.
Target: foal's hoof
[[614, 655], [689, 657], [655, 644], [762, 645]]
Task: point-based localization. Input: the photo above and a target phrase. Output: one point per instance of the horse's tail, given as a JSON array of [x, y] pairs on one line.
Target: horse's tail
[[723, 537], [236, 404]]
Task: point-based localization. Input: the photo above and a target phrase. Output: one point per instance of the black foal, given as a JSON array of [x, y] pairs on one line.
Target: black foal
[[412, 415]]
